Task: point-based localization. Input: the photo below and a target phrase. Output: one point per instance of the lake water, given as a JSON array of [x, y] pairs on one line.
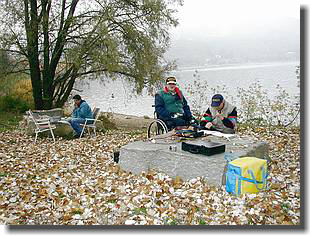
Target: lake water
[[117, 96]]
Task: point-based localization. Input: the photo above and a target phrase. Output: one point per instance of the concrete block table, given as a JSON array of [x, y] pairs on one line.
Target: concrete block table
[[63, 129], [141, 156]]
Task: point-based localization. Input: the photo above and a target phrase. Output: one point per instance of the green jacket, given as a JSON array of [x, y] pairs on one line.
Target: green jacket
[[172, 102], [167, 104]]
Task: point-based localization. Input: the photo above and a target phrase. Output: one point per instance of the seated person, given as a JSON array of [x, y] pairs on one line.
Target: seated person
[[171, 106], [220, 116], [81, 112]]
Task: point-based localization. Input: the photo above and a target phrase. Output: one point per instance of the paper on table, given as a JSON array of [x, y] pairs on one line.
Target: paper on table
[[217, 133], [64, 121]]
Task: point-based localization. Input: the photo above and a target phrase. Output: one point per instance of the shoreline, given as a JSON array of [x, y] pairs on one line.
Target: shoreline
[[234, 66]]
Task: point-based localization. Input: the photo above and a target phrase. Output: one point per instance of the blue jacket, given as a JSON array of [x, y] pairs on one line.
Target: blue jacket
[[83, 111]]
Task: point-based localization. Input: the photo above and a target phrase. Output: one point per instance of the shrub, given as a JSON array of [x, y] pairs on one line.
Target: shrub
[[199, 94], [23, 89], [16, 93], [254, 105], [107, 121], [5, 63], [13, 104], [257, 107]]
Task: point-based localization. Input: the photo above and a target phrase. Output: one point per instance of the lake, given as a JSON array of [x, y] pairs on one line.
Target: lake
[[117, 96]]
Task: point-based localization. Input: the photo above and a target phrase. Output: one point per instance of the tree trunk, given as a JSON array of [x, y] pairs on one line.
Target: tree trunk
[[47, 74], [31, 26], [36, 84], [47, 92]]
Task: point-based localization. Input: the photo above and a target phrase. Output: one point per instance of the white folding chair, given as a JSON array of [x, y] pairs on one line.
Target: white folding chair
[[41, 125], [91, 123]]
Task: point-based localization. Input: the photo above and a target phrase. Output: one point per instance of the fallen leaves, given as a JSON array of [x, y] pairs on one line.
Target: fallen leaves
[[76, 182]]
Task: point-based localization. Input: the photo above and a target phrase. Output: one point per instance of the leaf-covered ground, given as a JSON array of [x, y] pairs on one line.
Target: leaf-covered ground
[[76, 182]]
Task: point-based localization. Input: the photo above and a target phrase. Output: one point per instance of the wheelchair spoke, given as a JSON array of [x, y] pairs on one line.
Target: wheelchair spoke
[[157, 127]]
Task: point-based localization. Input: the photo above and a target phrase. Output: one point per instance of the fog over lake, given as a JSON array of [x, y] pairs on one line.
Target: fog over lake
[[232, 43]]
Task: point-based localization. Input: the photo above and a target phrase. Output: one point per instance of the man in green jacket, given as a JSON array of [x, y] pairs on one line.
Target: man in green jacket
[[81, 112], [171, 106]]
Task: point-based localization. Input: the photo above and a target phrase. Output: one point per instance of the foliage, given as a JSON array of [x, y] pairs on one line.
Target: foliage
[[30, 173], [170, 221], [254, 104], [13, 104], [202, 222], [141, 210], [5, 63], [57, 42], [23, 89], [9, 120], [199, 94], [15, 93]]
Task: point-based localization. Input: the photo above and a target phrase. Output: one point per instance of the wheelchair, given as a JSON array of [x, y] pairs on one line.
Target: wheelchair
[[156, 127]]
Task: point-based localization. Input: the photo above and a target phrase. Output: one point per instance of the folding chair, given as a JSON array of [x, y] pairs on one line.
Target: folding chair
[[41, 125], [91, 123]]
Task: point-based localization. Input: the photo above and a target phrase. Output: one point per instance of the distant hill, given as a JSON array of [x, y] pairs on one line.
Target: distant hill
[[280, 42]]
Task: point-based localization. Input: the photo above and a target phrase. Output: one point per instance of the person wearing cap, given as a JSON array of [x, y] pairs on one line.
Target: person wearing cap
[[220, 116], [81, 112], [171, 106]]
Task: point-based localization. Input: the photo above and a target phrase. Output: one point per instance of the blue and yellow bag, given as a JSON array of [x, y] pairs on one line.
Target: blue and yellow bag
[[246, 175]]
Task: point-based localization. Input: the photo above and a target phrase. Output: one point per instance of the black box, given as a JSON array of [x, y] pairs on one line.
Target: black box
[[204, 147]]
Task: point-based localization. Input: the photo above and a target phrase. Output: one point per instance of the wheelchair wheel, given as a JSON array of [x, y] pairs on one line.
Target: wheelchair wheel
[[157, 127]]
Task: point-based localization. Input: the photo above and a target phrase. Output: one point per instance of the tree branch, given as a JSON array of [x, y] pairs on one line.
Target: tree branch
[[56, 54], [26, 14]]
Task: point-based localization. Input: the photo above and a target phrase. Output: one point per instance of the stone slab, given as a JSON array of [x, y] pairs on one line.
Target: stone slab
[[140, 156], [62, 129], [50, 113]]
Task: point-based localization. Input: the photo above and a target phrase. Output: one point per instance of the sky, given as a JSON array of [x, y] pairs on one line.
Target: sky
[[226, 17]]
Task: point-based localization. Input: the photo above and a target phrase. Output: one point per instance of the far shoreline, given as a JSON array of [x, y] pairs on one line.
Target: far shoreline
[[235, 66]]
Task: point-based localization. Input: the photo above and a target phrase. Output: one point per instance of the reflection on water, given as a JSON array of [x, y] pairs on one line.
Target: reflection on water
[[117, 96]]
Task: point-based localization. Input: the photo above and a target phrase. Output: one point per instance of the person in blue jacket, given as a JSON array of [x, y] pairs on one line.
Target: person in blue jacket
[[81, 112], [171, 106]]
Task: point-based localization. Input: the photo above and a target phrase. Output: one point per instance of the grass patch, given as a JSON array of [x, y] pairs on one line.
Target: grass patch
[[3, 174], [112, 201], [173, 222], [16, 93], [202, 222], [138, 132], [13, 104], [141, 210], [9, 120]]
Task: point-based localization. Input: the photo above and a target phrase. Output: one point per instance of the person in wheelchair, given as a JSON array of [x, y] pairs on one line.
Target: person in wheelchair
[[171, 106]]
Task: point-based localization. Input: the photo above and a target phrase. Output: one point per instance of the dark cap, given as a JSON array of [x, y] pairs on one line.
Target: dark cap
[[216, 100], [171, 80], [77, 97]]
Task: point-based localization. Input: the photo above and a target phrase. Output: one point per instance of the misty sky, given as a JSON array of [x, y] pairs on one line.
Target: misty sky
[[226, 17]]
